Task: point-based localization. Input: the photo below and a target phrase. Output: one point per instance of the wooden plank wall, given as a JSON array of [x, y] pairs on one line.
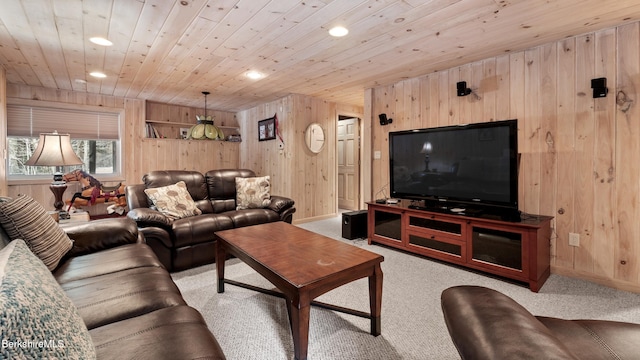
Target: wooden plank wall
[[197, 155], [310, 179], [580, 156], [178, 154], [140, 155]]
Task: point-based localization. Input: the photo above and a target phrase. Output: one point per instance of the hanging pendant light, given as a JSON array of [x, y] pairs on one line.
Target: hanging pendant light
[[205, 129]]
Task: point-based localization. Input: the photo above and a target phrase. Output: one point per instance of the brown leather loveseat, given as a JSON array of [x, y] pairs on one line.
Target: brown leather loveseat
[[486, 324], [189, 242]]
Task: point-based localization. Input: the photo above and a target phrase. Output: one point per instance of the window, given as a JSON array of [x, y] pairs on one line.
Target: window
[[95, 138]]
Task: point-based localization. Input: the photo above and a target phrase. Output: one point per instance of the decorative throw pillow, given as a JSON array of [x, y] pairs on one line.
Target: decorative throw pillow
[[253, 192], [24, 218], [4, 238], [39, 321], [174, 200]]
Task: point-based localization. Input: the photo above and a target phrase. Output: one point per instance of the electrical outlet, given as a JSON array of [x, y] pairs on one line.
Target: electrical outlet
[[574, 239]]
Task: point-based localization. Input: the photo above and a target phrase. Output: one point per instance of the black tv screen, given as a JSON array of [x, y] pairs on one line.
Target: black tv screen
[[475, 163]]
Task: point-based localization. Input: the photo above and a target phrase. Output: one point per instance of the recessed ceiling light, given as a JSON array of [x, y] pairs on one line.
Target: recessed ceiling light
[[338, 31], [100, 41], [255, 75], [98, 74]]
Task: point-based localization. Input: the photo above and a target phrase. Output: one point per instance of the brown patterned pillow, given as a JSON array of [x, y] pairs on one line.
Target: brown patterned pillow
[[174, 200], [24, 218], [253, 192]]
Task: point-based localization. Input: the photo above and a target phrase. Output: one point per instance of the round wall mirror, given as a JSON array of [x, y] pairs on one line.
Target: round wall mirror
[[314, 138]]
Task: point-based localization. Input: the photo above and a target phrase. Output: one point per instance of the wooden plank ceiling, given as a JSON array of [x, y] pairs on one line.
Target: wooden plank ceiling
[[169, 51]]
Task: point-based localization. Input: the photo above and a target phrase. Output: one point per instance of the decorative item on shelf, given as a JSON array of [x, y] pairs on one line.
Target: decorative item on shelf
[[234, 138], [205, 129], [152, 132], [55, 150]]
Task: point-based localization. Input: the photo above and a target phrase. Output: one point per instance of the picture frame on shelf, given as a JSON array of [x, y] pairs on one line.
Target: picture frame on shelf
[[267, 129]]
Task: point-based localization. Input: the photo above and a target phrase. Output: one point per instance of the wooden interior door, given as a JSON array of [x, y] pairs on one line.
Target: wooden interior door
[[348, 164]]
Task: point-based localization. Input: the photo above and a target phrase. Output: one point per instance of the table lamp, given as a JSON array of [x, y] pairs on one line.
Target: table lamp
[[55, 150], [426, 149]]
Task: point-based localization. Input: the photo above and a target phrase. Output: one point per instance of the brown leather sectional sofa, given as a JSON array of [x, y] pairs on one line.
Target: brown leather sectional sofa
[[486, 324], [127, 300], [190, 242]]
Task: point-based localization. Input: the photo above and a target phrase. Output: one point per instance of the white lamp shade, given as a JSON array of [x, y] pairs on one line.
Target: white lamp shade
[[54, 150], [426, 148]]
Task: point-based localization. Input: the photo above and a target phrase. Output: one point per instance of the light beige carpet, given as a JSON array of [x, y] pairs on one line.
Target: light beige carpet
[[251, 325]]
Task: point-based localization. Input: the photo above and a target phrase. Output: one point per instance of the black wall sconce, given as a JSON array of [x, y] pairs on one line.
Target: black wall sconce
[[599, 87], [463, 90], [384, 120]]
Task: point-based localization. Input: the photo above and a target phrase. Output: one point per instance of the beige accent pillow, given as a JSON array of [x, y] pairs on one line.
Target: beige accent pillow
[[253, 192], [174, 200], [24, 218]]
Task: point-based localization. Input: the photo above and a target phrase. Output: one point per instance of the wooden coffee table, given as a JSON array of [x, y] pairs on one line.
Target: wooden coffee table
[[302, 265]]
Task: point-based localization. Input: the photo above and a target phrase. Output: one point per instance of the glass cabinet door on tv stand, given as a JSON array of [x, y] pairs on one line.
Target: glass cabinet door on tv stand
[[497, 247], [386, 225]]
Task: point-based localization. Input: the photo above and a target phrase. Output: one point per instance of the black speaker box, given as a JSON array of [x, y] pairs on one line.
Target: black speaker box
[[354, 224], [599, 87], [384, 120], [462, 88]]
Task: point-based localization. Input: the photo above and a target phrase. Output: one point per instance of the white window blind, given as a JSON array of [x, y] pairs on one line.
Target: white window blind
[[28, 121]]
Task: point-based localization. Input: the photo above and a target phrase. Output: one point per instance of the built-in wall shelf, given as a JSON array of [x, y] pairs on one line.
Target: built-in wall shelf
[[161, 129], [181, 124]]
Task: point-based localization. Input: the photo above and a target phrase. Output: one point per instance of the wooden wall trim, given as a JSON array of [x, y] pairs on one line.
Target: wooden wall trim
[[605, 281], [62, 105], [357, 112], [367, 149]]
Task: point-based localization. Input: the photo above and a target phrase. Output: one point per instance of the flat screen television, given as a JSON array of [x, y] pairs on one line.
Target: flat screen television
[[473, 167]]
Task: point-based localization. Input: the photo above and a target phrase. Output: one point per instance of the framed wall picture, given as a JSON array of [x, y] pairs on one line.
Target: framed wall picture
[[267, 129]]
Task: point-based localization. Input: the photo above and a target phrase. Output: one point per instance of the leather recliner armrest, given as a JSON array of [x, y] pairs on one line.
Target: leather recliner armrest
[[280, 203], [485, 324], [153, 234], [101, 234], [146, 217]]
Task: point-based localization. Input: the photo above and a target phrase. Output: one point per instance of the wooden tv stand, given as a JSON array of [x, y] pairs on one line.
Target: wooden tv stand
[[517, 250]]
